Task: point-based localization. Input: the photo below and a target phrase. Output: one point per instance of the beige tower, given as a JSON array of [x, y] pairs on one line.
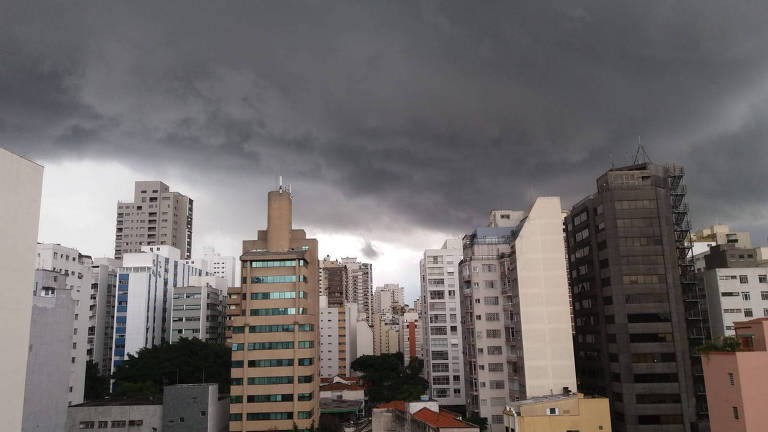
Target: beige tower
[[274, 332]]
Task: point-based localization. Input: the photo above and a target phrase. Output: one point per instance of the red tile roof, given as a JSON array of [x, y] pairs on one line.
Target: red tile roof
[[440, 419], [398, 405], [339, 386]]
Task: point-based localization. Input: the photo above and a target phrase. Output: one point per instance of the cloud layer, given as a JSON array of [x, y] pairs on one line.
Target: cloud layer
[[396, 116]]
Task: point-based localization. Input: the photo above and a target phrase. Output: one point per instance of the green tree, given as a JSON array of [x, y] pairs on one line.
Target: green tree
[[187, 361], [388, 379], [480, 422], [96, 385], [725, 344]]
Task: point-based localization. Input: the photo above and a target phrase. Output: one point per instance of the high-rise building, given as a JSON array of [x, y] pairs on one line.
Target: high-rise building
[[515, 312], [145, 289], [274, 357], [75, 268], [360, 286], [50, 347], [101, 312], [633, 292], [21, 183], [334, 339], [386, 297], [441, 326], [333, 281], [411, 338], [222, 266], [156, 216], [386, 334], [198, 309]]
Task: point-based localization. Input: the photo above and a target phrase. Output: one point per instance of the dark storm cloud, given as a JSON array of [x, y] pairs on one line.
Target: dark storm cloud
[[369, 251], [400, 113]]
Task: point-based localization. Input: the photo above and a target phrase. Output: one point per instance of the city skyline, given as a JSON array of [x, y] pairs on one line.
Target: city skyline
[[383, 116]]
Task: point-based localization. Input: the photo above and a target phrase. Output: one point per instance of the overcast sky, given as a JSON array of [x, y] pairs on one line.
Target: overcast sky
[[399, 123]]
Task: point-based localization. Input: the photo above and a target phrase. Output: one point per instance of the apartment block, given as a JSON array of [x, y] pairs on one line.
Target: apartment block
[[198, 310], [411, 338], [441, 327], [101, 312], [75, 268], [360, 286], [559, 412], [386, 334], [636, 304], [736, 382], [387, 297], [334, 343], [515, 312], [333, 280], [275, 361], [156, 216], [47, 394], [145, 289]]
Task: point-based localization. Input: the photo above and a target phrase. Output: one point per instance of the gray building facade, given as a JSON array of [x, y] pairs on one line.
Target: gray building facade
[[199, 309], [50, 345], [630, 278], [195, 408], [156, 216]]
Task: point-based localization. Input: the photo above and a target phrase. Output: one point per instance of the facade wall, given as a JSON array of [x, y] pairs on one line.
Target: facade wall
[[199, 407], [360, 286], [574, 414], [734, 294], [198, 310], [101, 318], [127, 417], [441, 298], [329, 340], [50, 345]]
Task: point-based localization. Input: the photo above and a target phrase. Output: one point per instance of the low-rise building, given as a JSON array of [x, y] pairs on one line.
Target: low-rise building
[[141, 415], [426, 416], [737, 382], [557, 413]]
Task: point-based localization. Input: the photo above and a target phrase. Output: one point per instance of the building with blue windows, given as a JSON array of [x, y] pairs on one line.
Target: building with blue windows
[[145, 285]]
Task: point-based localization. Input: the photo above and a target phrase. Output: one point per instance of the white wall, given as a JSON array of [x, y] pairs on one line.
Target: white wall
[[21, 184]]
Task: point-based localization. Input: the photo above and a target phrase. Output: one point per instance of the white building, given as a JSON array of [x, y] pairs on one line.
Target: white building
[[222, 266], [360, 286], [145, 286], [329, 339], [440, 315], [21, 183], [515, 312], [386, 297], [410, 335], [198, 309], [101, 314], [50, 346], [734, 294], [76, 269]]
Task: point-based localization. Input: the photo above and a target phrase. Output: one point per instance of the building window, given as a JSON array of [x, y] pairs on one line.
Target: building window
[[745, 295], [497, 419], [553, 411], [730, 378], [748, 313], [87, 425], [764, 295], [119, 423], [736, 413], [743, 279]]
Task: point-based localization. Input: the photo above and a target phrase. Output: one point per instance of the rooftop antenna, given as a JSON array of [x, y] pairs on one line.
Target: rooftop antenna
[[641, 156]]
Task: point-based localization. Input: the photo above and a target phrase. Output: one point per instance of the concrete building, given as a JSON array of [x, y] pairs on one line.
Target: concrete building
[[736, 288], [418, 416], [363, 338], [736, 382], [631, 275], [222, 266], [332, 339], [183, 407], [386, 334], [75, 268], [557, 413], [333, 282], [360, 286], [156, 216], [21, 183], [441, 327], [274, 352], [101, 312], [515, 312], [198, 310], [387, 297], [145, 288], [195, 408], [411, 335], [50, 346]]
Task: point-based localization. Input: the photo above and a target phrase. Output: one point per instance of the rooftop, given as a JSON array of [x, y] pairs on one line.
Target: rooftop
[[340, 386], [440, 419], [123, 402]]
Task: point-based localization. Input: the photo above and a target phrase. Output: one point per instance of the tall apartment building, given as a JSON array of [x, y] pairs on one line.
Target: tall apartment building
[[145, 289], [101, 312], [631, 275], [334, 339], [21, 183], [360, 286], [386, 297], [411, 335], [274, 357], [198, 309], [386, 334], [515, 313], [222, 266], [50, 347], [333, 280], [440, 316], [156, 216], [75, 268]]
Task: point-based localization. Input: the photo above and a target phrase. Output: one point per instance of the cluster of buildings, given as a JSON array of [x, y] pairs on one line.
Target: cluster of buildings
[[589, 318]]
